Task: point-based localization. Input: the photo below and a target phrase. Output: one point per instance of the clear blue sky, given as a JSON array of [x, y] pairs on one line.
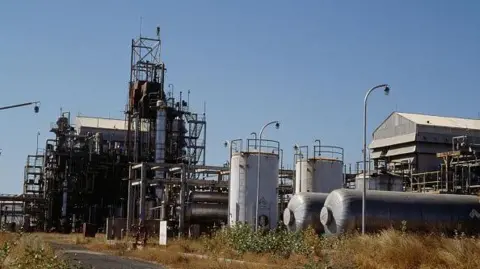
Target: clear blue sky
[[305, 63]]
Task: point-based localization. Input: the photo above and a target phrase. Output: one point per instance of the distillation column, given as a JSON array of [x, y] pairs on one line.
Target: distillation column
[[160, 156]]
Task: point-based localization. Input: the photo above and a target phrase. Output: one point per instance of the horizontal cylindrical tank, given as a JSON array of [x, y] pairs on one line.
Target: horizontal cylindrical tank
[[303, 210], [208, 197], [342, 211], [243, 189], [206, 213], [318, 175]]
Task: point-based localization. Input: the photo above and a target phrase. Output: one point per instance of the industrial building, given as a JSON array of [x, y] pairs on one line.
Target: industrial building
[[129, 174], [411, 141], [426, 153]]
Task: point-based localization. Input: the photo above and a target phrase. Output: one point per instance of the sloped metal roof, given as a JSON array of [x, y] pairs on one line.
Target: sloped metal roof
[[449, 122], [104, 123]]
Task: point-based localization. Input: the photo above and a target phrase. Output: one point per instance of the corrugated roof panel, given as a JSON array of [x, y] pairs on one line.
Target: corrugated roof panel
[[401, 151], [449, 122], [378, 143], [402, 160], [376, 154]]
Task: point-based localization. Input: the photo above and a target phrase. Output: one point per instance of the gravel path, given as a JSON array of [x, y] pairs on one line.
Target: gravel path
[[96, 260]]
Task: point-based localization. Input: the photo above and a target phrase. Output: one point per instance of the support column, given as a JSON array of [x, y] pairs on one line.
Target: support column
[[130, 200], [181, 217], [143, 190]]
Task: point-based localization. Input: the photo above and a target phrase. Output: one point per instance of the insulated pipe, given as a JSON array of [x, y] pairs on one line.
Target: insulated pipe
[[160, 138], [98, 143], [136, 143], [208, 197], [205, 213]]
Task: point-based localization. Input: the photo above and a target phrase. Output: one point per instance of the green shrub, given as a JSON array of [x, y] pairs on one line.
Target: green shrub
[[242, 238]]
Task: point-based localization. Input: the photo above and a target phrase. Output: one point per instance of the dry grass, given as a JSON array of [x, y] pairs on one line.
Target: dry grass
[[27, 252], [393, 249], [388, 249]]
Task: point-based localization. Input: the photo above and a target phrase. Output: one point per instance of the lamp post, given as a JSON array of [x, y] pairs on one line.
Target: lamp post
[[254, 137], [364, 192], [277, 125]]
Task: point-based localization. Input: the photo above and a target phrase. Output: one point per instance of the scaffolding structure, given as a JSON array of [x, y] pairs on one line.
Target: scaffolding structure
[[33, 187], [458, 173]]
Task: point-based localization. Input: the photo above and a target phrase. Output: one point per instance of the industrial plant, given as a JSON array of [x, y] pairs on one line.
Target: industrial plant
[[120, 176]]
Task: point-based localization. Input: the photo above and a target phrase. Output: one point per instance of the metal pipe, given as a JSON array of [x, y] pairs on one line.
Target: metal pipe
[[171, 93], [364, 192], [281, 159], [36, 151], [319, 147], [254, 137], [204, 133], [143, 191], [277, 124], [136, 141], [181, 217], [129, 198]]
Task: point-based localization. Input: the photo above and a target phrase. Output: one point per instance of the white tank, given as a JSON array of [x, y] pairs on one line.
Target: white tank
[[243, 189], [318, 175]]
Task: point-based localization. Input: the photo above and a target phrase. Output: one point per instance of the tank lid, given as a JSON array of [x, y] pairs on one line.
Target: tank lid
[[325, 216], [288, 217]]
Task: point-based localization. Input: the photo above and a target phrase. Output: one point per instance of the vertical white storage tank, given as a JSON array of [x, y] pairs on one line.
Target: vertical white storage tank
[[328, 174], [243, 188], [318, 175], [323, 173], [303, 176]]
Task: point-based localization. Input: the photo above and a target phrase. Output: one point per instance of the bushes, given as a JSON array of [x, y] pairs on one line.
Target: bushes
[[387, 249], [242, 238], [27, 252]]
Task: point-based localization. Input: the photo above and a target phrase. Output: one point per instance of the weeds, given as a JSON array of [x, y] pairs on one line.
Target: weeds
[[27, 252], [385, 250]]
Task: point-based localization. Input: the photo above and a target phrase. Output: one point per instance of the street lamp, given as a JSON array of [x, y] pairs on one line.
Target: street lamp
[[254, 137], [277, 125], [364, 192], [36, 107]]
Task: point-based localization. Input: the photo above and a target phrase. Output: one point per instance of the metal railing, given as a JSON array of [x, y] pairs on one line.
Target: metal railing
[[267, 146]]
